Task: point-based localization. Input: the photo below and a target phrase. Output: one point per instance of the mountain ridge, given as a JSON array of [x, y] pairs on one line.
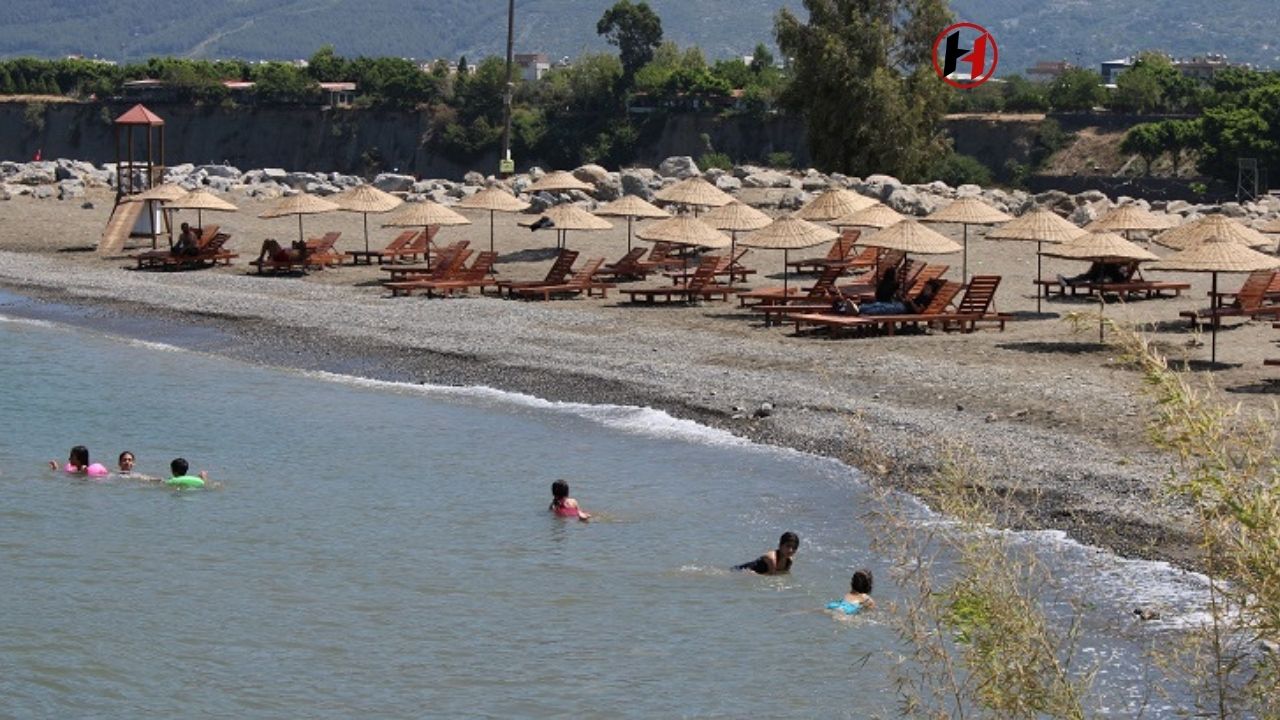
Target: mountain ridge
[[1082, 31]]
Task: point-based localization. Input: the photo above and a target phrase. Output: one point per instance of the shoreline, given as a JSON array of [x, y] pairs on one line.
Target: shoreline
[[1062, 476]]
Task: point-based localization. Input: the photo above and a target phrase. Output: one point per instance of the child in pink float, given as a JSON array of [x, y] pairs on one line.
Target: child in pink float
[[78, 464], [563, 505]]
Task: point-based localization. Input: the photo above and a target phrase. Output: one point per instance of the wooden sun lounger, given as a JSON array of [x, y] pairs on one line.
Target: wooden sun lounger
[[839, 254], [701, 286], [1249, 303], [889, 323], [449, 268], [583, 280], [416, 249], [386, 253], [209, 252], [397, 273], [628, 267], [321, 252], [725, 267], [1269, 278], [774, 295], [454, 281], [558, 274]]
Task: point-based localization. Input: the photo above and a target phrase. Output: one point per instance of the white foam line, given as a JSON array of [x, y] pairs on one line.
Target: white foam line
[[27, 321], [151, 345]]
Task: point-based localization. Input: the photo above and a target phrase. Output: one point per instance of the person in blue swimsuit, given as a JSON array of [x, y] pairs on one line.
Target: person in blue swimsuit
[[859, 596]]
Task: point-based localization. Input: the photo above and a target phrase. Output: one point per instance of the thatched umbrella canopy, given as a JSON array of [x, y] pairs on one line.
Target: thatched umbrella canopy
[[1216, 255], [300, 204], [684, 230], [1039, 226], [1100, 247], [832, 204], [736, 217], [877, 215], [787, 234], [631, 207], [910, 236], [968, 211], [694, 191], [559, 181], [1127, 219], [1271, 227], [424, 215], [564, 218], [366, 199], [1197, 231], [494, 199], [200, 201]]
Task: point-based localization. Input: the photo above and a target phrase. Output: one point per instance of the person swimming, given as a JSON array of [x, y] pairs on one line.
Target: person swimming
[[563, 505], [775, 562], [78, 464], [179, 467], [126, 462], [859, 596]]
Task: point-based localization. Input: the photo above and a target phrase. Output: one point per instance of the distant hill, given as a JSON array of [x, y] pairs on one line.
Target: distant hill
[[1083, 31]]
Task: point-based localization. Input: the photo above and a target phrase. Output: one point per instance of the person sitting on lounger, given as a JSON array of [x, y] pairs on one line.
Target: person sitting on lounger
[[775, 562], [274, 251], [188, 241], [1101, 272]]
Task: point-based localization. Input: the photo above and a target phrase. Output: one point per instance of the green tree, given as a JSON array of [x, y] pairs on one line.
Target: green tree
[[1146, 140], [327, 66], [761, 59], [6, 82], [1076, 90], [284, 82], [863, 79], [1137, 91], [1230, 134], [1176, 137], [635, 29]]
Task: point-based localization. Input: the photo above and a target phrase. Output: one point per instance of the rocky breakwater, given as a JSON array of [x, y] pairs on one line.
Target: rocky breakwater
[[780, 190]]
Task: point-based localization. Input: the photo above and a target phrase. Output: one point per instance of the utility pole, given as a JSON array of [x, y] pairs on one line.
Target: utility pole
[[507, 166]]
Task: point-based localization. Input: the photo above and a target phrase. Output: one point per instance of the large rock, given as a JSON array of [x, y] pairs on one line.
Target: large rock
[[1233, 210], [678, 166], [70, 189], [536, 173], [878, 186], [1056, 200], [299, 180], [540, 201], [941, 189], [794, 199], [728, 183], [767, 179], [742, 172], [1086, 214], [814, 180], [221, 171], [636, 182], [42, 192], [35, 174], [219, 184], [392, 182], [275, 175], [910, 201], [591, 173], [177, 173], [322, 188], [609, 187], [968, 190], [473, 178]]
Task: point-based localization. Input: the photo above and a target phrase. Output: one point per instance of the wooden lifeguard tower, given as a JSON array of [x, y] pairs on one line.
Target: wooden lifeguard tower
[[134, 175]]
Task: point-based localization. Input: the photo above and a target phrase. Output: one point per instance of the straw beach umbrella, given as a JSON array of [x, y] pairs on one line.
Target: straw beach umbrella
[[559, 181], [694, 191], [685, 230], [911, 237], [1041, 226], [1100, 247], [1216, 255], [1197, 231], [877, 215], [160, 195], [565, 218], [1127, 219], [494, 199], [366, 199], [631, 207], [736, 217], [425, 214], [200, 201], [968, 211], [832, 204], [787, 234], [300, 204]]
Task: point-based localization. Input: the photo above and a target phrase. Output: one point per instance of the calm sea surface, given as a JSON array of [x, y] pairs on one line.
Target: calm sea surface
[[384, 551]]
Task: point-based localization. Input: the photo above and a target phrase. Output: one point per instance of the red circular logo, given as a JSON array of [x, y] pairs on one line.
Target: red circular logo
[[951, 58]]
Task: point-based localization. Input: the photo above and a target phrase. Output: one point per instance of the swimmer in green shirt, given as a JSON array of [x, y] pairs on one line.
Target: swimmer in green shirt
[[180, 468]]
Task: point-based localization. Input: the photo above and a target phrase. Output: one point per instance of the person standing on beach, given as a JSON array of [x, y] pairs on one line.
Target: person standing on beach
[[775, 562]]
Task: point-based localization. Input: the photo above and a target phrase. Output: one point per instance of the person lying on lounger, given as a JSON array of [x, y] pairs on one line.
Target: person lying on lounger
[[1101, 272], [272, 250], [843, 305]]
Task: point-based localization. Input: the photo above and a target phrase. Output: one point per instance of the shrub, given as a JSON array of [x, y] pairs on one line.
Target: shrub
[[715, 160], [780, 160], [956, 169]]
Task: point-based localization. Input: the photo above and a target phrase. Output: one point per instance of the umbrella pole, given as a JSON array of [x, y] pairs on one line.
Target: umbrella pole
[[733, 250], [1213, 353], [426, 230], [629, 218], [366, 231], [786, 263], [1039, 274], [490, 231], [300, 227], [964, 271]]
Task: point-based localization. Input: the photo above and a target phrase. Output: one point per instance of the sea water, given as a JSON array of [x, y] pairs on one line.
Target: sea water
[[385, 550]]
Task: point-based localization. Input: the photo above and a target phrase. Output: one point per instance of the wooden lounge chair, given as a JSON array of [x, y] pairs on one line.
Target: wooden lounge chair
[[774, 295], [839, 254], [558, 274], [386, 253], [413, 272], [321, 252], [1249, 303], [416, 249], [460, 280], [629, 267], [890, 323], [821, 304], [661, 257], [583, 280], [701, 286], [1267, 278], [726, 266], [447, 269], [206, 253]]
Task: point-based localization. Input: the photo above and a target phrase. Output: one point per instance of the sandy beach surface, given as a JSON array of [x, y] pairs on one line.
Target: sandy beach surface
[[1046, 408]]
